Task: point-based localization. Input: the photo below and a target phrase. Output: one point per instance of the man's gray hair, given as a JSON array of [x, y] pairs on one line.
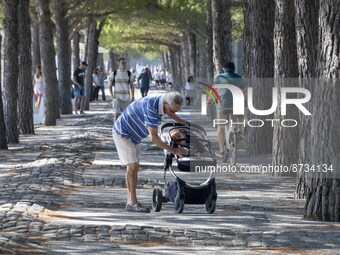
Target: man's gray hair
[[173, 98]]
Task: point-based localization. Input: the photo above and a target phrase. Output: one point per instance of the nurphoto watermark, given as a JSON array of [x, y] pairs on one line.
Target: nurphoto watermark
[[243, 100]]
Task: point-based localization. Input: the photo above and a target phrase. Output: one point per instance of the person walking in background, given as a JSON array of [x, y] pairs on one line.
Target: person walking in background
[[226, 108], [79, 88], [133, 74], [169, 80], [146, 77], [97, 82], [122, 81], [156, 77], [189, 90], [38, 86], [162, 78]]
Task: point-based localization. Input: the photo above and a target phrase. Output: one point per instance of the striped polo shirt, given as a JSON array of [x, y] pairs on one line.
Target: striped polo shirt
[[121, 85], [134, 122]]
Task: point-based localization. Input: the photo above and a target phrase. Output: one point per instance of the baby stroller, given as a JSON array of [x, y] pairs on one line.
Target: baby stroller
[[179, 191]]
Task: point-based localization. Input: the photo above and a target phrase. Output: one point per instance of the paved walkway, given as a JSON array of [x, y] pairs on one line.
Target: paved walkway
[[63, 192]]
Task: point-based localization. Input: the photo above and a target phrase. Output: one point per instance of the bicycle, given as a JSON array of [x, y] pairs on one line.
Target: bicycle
[[234, 140]]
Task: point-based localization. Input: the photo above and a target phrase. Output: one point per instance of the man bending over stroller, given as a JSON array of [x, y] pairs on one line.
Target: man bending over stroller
[[140, 119], [191, 143]]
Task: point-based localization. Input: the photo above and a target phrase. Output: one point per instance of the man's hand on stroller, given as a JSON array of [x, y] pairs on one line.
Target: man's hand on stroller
[[180, 151]]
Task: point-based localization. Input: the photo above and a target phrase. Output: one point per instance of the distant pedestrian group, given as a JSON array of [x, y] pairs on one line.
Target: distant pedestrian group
[[163, 78]]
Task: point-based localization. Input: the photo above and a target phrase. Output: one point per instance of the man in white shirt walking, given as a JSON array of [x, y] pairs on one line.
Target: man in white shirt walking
[[123, 94]]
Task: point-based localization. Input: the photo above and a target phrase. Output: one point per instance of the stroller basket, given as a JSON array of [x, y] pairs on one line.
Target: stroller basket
[[192, 195]]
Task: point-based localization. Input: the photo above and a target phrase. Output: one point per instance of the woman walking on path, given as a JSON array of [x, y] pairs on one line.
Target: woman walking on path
[[189, 90], [38, 86], [97, 77]]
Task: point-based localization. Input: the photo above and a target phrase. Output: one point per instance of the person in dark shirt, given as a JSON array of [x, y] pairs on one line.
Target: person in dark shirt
[[79, 88], [146, 77]]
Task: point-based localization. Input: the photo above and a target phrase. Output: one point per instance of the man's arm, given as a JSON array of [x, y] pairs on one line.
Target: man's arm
[[175, 117], [103, 76], [132, 90], [153, 132], [110, 87], [138, 79], [74, 79]]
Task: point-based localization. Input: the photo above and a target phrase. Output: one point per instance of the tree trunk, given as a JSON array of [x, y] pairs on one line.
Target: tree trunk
[[202, 59], [167, 61], [92, 48], [25, 88], [185, 59], [96, 50], [323, 187], [306, 22], [221, 23], [286, 140], [48, 63], [63, 55], [36, 59], [75, 51], [86, 43], [192, 53], [164, 60], [100, 61], [259, 63], [113, 61], [172, 64], [10, 75], [91, 62], [109, 64], [177, 73], [209, 42], [3, 138]]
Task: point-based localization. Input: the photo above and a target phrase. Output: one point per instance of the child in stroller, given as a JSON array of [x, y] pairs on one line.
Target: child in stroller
[[191, 143]]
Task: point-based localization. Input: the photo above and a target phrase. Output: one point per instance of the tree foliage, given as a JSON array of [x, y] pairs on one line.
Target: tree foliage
[[152, 24], [146, 25]]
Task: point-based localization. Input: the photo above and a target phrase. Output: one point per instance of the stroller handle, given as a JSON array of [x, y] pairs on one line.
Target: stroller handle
[[175, 124]]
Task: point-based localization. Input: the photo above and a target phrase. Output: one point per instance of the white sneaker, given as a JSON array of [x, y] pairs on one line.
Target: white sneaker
[[136, 208], [219, 154]]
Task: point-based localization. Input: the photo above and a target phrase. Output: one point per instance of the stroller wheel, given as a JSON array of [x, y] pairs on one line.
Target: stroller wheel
[[179, 205], [157, 199], [210, 205]]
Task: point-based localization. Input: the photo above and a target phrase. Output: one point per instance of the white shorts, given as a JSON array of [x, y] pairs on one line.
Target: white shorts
[[119, 105], [223, 114], [128, 152], [39, 88]]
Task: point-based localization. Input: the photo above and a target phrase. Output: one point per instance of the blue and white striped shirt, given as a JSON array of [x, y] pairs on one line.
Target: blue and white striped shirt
[[134, 122]]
